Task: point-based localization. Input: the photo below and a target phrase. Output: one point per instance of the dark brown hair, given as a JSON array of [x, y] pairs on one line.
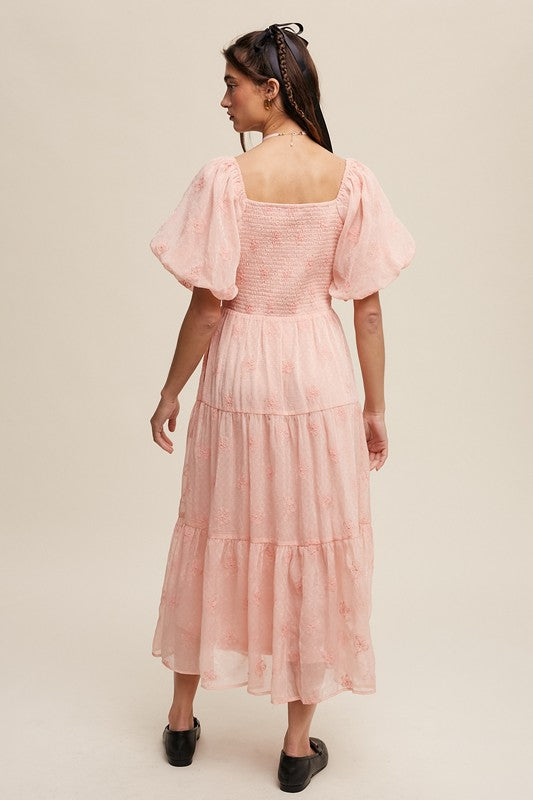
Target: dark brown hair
[[298, 96]]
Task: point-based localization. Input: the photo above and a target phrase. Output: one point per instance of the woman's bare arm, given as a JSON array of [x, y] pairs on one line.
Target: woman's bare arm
[[196, 330], [371, 351]]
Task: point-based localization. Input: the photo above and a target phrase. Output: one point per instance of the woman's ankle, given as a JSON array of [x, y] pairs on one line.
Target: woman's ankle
[[180, 720]]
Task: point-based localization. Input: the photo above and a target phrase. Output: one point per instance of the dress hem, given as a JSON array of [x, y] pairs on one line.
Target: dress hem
[[361, 691]]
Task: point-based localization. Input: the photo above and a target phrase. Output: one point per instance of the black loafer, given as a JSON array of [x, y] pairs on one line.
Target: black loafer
[[180, 745], [295, 772]]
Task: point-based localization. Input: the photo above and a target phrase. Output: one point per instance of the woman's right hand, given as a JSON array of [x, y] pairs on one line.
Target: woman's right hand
[[376, 438]]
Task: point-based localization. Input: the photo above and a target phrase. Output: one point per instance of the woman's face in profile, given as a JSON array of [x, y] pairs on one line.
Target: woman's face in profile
[[243, 100]]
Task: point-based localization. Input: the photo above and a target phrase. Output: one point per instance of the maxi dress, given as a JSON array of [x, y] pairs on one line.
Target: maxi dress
[[269, 570]]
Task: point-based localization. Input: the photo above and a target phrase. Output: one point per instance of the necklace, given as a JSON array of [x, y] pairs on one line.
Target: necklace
[[286, 133]]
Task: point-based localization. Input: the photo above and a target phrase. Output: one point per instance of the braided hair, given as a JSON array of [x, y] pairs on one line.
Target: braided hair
[[299, 93]]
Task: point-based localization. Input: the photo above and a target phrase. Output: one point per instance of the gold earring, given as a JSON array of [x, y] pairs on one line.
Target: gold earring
[[267, 103]]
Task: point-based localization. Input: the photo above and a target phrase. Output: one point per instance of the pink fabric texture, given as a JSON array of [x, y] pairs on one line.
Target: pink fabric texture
[[269, 571]]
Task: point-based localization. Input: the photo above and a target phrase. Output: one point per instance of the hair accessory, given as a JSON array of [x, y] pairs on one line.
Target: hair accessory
[[267, 41]]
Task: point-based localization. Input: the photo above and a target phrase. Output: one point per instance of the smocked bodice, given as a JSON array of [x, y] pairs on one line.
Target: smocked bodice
[[286, 258]]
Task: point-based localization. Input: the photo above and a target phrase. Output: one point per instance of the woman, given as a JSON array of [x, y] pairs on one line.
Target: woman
[[268, 578]]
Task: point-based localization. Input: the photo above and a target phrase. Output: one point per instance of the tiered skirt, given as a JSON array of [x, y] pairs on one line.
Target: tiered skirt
[[269, 571]]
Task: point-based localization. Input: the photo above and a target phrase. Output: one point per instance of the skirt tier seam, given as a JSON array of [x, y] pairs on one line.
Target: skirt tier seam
[[269, 541], [355, 403]]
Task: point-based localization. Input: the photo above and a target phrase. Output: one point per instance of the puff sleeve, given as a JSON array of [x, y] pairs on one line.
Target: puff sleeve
[[199, 243], [373, 246]]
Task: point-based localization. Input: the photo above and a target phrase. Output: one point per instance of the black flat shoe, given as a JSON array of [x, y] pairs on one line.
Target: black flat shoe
[[295, 772], [180, 745]]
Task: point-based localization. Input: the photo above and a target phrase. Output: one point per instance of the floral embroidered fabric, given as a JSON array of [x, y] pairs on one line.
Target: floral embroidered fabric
[[268, 576]]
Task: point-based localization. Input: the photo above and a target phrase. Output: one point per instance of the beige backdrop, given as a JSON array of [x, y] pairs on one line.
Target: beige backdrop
[[109, 111]]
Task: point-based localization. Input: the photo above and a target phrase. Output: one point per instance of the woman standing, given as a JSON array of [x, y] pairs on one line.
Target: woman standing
[[268, 578]]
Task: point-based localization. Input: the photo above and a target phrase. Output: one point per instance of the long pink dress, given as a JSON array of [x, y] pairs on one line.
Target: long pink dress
[[268, 577]]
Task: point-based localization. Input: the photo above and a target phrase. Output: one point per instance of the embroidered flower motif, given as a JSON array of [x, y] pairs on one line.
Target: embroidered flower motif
[[312, 392], [360, 644], [287, 366], [260, 667], [242, 482], [333, 455], [346, 681], [228, 400], [212, 602], [313, 427], [326, 500], [209, 676], [199, 184], [272, 403], [348, 526], [344, 609], [223, 443]]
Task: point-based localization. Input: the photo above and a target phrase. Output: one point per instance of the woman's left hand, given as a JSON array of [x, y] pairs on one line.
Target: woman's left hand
[[167, 409]]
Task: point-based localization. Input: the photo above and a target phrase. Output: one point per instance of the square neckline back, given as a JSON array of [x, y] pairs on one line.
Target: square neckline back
[[290, 205]]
